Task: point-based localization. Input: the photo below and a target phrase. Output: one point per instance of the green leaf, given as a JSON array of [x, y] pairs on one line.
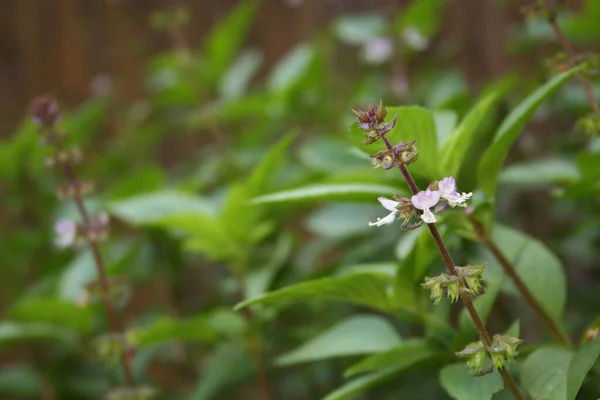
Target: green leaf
[[227, 365], [259, 280], [20, 380], [359, 29], [237, 78], [582, 362], [53, 311], [540, 270], [544, 373], [239, 217], [152, 207], [462, 385], [80, 271], [421, 15], [445, 123], [204, 234], [402, 357], [337, 192], [354, 387], [224, 41], [363, 288], [540, 173], [150, 178], [165, 330], [87, 120], [360, 334], [273, 159], [417, 123], [17, 332], [455, 149], [493, 158], [291, 68]]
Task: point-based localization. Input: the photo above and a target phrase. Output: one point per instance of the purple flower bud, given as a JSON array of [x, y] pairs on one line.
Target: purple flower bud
[[44, 111]]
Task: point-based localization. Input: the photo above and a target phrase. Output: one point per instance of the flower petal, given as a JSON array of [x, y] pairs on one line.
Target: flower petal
[[388, 219], [388, 204], [428, 217]]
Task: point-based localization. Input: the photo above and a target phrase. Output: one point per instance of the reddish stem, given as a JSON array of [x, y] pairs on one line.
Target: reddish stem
[[445, 254], [114, 321], [566, 46]]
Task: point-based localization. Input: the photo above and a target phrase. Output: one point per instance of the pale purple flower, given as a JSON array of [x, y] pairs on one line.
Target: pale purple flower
[[66, 232], [424, 201], [388, 219], [447, 188]]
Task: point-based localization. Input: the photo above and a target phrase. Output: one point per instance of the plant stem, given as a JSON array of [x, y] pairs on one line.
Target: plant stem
[[445, 254], [114, 321], [510, 271], [256, 344], [567, 48]]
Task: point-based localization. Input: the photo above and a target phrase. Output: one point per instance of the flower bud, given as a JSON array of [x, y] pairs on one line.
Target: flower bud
[[472, 276], [74, 189], [110, 347], [589, 125], [372, 123], [383, 158], [97, 228], [406, 152], [475, 355], [44, 111], [442, 286], [71, 156]]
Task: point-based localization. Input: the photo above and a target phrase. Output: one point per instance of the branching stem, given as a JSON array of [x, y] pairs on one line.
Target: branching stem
[[445, 254], [114, 320]]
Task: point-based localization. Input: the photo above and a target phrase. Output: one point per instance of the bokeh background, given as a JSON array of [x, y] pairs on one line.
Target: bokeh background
[[174, 102]]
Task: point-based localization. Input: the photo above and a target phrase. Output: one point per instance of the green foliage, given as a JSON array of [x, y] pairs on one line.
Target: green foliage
[[233, 179], [583, 360], [356, 335], [403, 356], [359, 385], [331, 192], [509, 131], [544, 373], [462, 385], [369, 289]]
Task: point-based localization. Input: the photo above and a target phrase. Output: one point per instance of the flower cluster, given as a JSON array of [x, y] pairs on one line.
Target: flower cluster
[[69, 232], [443, 286], [467, 278], [502, 351], [439, 195], [372, 123], [461, 282]]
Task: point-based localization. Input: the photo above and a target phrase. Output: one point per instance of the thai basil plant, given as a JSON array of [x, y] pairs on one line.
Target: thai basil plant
[[435, 216]]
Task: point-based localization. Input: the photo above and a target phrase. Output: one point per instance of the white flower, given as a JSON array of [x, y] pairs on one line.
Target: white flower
[[447, 188], [388, 219], [424, 201], [66, 232]]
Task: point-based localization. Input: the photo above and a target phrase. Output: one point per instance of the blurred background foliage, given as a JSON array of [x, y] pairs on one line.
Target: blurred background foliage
[[216, 134]]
